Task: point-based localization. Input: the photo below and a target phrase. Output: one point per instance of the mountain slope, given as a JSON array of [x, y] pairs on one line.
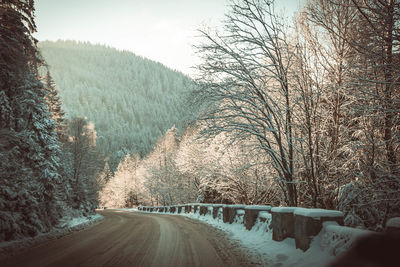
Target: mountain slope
[[131, 100]]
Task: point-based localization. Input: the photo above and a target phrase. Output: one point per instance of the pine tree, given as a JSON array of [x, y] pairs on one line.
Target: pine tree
[[54, 104], [106, 173], [30, 155]]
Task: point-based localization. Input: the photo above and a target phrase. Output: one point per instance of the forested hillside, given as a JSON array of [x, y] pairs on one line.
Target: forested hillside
[[131, 100]]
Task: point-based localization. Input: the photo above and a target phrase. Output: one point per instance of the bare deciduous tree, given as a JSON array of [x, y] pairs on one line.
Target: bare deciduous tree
[[86, 162], [245, 77]]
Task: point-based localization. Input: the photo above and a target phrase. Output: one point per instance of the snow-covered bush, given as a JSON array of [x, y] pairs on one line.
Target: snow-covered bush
[[370, 204], [337, 239]]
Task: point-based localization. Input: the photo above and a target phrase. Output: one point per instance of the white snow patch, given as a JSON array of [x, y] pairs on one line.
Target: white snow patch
[[264, 214], [83, 220], [393, 222], [131, 209], [336, 239], [259, 242], [239, 219], [317, 213], [240, 212], [283, 209], [258, 207], [237, 206]]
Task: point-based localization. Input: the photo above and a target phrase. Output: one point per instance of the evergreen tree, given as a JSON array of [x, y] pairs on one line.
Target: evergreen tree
[[54, 104], [30, 154], [107, 174]]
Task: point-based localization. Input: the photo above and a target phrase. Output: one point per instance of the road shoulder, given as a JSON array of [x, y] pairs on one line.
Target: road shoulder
[[8, 249]]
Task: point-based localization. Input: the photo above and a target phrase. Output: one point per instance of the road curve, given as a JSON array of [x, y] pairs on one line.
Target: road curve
[[136, 239]]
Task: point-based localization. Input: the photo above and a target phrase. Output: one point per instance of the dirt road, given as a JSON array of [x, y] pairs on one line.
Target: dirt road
[[136, 239]]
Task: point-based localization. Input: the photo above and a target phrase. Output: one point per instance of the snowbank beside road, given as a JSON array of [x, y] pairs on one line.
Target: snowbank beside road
[[259, 242], [81, 221]]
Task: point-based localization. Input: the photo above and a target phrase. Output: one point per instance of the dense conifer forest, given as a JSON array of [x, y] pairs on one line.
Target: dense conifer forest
[[131, 100]]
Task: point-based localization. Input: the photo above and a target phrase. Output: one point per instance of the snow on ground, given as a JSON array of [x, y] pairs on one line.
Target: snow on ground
[[83, 220], [393, 222], [130, 209], [259, 241]]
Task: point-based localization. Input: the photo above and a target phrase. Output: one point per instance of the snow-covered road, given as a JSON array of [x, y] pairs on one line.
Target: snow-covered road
[[137, 239]]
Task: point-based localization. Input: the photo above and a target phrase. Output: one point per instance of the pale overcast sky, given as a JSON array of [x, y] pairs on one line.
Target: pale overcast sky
[[161, 30]]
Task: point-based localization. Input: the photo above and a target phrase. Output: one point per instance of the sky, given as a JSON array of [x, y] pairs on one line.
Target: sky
[[161, 30]]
